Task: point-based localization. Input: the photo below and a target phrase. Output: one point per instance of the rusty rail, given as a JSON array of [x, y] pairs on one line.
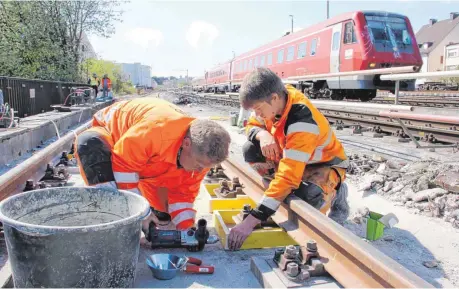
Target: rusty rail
[[13, 181], [351, 261]]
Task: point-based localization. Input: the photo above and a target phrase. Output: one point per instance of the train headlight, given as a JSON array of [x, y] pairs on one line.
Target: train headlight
[[372, 65]]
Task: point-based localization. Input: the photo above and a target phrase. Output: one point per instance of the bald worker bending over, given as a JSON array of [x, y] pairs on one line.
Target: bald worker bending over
[[152, 148]]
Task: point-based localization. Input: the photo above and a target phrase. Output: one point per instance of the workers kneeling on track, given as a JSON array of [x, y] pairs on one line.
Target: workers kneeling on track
[[151, 147], [292, 146]]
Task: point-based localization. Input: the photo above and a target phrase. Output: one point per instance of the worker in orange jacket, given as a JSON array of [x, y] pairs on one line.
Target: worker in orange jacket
[[106, 84], [151, 147], [291, 144]]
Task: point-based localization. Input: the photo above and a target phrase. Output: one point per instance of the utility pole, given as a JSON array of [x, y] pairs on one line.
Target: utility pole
[[328, 9], [292, 21]]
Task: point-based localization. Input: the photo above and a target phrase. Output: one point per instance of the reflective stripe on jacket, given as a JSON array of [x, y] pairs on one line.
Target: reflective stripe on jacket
[[147, 135], [305, 136]]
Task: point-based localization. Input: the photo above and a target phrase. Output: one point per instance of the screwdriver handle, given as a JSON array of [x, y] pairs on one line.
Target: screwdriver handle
[[194, 261], [200, 269]]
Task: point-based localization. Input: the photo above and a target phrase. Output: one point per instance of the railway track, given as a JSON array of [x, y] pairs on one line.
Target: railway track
[[431, 131], [348, 259], [426, 100]]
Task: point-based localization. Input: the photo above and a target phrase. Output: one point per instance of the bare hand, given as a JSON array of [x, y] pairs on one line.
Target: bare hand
[[239, 233], [269, 147], [146, 222]]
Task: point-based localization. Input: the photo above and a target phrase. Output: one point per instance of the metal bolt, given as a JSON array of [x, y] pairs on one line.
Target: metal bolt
[[277, 254], [303, 275], [292, 269], [311, 246], [290, 252], [29, 185]]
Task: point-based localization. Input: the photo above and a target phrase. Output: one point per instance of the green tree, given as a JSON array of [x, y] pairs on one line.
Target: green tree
[[42, 39]]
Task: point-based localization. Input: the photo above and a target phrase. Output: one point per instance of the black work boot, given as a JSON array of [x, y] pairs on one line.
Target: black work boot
[[339, 211]]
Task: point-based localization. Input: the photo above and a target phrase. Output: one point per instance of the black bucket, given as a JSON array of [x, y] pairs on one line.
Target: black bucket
[[73, 236]]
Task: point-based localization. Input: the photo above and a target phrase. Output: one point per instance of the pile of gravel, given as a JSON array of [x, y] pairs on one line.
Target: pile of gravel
[[413, 185]]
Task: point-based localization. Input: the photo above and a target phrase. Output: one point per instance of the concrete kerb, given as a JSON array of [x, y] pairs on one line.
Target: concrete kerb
[[35, 130]]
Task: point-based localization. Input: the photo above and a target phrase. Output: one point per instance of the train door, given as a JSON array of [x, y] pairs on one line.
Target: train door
[[351, 51], [335, 45]]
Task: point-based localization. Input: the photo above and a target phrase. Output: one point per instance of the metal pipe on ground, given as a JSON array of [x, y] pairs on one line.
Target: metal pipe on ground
[[13, 181], [423, 117], [345, 104], [351, 261], [430, 75], [382, 71]]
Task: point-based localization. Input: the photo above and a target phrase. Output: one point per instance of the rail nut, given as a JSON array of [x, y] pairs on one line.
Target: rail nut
[[311, 246], [303, 275], [292, 269], [290, 252]]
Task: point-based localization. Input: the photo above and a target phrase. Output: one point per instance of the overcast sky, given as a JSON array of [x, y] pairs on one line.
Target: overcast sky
[[171, 36]]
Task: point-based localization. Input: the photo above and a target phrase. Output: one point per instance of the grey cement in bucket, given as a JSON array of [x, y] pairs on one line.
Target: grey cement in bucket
[[73, 236]]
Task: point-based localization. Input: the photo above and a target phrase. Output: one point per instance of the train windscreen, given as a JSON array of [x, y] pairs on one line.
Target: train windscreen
[[389, 34]]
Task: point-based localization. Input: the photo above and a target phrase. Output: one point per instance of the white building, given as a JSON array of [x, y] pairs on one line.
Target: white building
[[138, 74], [87, 51], [452, 56], [432, 39]]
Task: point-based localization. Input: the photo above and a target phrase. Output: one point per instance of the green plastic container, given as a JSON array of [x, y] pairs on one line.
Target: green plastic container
[[375, 229], [233, 118]]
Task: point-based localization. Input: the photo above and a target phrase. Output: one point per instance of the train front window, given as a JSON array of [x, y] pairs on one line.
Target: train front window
[[389, 34]]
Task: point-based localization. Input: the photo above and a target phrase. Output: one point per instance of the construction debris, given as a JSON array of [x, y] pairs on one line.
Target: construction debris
[[427, 187]]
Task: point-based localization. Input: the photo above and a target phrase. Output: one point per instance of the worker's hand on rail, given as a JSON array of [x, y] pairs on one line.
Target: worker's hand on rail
[[239, 233], [268, 145]]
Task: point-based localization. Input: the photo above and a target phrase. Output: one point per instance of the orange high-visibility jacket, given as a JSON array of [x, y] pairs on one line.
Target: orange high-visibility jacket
[[109, 82], [305, 136], [147, 134]]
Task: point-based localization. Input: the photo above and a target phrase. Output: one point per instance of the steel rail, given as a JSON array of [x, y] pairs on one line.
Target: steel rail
[[441, 132], [13, 181], [424, 117], [360, 114], [430, 75], [382, 71], [425, 102], [351, 261]]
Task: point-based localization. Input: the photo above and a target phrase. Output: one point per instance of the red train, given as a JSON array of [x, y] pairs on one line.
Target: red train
[[354, 41]]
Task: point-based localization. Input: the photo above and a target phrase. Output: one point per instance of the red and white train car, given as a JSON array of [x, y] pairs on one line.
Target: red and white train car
[[218, 79], [198, 83], [354, 41]]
